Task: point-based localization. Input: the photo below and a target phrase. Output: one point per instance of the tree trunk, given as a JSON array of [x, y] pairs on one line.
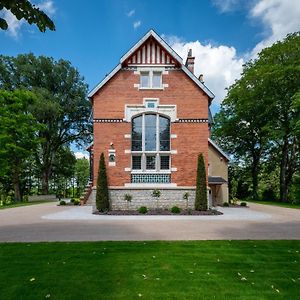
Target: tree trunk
[[45, 180], [283, 172], [16, 185], [254, 172]]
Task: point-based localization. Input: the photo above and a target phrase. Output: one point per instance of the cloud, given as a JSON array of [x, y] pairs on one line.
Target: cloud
[[80, 155], [220, 65], [130, 13], [15, 25], [226, 5], [278, 17], [137, 24]]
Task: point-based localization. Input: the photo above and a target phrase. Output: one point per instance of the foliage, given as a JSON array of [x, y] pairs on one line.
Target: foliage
[[143, 210], [156, 193], [268, 194], [61, 104], [82, 173], [128, 197], [76, 202], [62, 202], [226, 204], [175, 210], [201, 190], [102, 195], [18, 138], [186, 196], [23, 9], [243, 204], [258, 121]]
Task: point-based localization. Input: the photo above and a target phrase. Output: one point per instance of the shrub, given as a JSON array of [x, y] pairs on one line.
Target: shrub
[[76, 202], [243, 204], [102, 196], [186, 196], [156, 193], [143, 210], [201, 192], [269, 194], [128, 197], [72, 200], [226, 204], [62, 202], [175, 210]]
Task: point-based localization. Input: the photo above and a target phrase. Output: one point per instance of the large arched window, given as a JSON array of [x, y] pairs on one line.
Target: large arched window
[[150, 144]]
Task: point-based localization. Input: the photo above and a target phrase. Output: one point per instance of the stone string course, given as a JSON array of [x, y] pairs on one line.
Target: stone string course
[[143, 197]]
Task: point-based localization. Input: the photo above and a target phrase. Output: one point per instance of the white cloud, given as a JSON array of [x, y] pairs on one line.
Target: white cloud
[[226, 5], [15, 25], [130, 13], [137, 24], [79, 155], [220, 65], [279, 18]]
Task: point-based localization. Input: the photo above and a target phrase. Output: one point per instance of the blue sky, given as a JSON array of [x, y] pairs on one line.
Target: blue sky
[[93, 35]]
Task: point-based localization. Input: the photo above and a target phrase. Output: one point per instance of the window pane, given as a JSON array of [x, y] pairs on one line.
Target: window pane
[[156, 80], [136, 134], [164, 134], [150, 162], [150, 132], [145, 80], [165, 162], [136, 162]]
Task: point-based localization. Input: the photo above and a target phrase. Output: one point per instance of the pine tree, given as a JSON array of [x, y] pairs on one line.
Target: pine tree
[[102, 196], [201, 191]]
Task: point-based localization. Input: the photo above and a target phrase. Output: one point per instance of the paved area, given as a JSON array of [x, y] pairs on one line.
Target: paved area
[[48, 222]]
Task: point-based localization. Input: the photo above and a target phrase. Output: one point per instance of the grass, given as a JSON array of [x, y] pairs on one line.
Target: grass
[[151, 270], [18, 204], [276, 203]]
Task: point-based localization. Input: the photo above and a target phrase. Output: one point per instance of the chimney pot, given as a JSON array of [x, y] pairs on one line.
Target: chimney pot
[[190, 60], [201, 78]]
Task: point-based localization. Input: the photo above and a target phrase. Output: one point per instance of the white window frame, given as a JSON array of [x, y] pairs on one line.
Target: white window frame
[[150, 74], [157, 152]]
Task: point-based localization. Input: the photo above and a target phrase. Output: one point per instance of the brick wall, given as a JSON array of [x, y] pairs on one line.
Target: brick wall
[[109, 102]]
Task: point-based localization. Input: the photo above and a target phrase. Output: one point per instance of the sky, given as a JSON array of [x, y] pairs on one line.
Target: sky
[[93, 35]]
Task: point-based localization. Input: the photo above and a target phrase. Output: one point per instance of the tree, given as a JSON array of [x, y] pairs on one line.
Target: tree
[[102, 196], [82, 173], [62, 104], [258, 118], [23, 9], [18, 137], [201, 189]]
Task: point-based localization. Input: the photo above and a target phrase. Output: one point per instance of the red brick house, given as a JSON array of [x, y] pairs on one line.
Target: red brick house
[[151, 119]]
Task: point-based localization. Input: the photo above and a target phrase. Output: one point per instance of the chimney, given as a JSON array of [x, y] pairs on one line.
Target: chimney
[[190, 60]]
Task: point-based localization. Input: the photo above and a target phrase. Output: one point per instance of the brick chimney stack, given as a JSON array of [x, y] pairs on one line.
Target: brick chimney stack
[[190, 60]]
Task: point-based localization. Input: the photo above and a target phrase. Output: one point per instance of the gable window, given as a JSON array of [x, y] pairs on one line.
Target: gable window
[[151, 80], [150, 144]]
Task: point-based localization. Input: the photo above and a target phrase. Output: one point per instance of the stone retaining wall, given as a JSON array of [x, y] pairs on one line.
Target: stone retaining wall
[[143, 197]]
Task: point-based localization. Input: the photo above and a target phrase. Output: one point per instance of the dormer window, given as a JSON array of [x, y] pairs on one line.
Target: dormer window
[[151, 80]]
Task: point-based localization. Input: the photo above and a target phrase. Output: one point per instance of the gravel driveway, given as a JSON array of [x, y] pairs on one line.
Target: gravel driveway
[[48, 222]]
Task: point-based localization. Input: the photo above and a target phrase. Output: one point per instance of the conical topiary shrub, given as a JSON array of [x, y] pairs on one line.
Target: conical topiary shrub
[[201, 190], [102, 196]]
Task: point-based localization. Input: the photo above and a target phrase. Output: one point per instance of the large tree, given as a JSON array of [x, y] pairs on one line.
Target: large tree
[[258, 117], [18, 138], [62, 105], [23, 9]]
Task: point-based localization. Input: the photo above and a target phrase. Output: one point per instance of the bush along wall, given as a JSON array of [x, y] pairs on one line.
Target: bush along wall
[[201, 190], [102, 195]]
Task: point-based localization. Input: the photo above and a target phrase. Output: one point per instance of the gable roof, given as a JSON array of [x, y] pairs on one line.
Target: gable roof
[[170, 51], [216, 147]]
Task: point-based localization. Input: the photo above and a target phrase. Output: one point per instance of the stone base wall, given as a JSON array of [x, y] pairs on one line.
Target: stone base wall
[[143, 197]]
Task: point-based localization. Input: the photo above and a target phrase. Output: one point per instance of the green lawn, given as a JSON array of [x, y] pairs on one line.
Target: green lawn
[[275, 203], [151, 270], [22, 204]]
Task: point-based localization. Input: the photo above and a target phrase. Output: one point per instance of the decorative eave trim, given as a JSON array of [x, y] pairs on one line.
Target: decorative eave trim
[[218, 149], [191, 120], [159, 40], [197, 81], [103, 81], [108, 121]]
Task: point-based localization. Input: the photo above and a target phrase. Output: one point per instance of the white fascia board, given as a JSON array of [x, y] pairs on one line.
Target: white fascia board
[[198, 82], [159, 40], [218, 149], [101, 83]]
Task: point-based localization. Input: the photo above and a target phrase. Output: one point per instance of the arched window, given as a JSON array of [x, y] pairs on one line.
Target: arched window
[[150, 143]]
